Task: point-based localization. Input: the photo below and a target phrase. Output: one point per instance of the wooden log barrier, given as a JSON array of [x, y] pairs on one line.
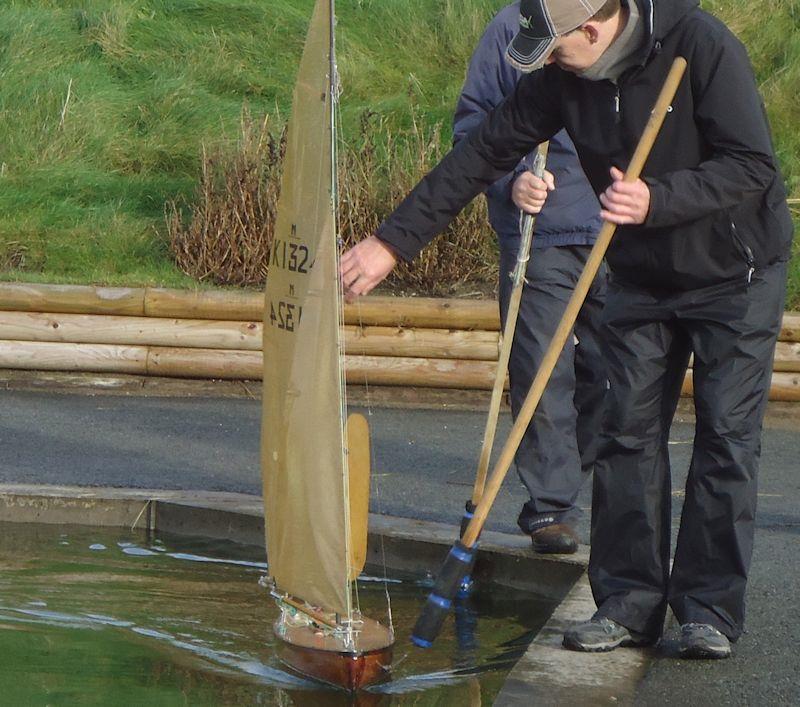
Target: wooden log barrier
[[239, 335], [422, 312], [152, 331], [228, 364]]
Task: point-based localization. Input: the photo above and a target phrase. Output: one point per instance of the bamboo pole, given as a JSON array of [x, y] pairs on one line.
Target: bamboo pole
[[568, 320], [518, 277]]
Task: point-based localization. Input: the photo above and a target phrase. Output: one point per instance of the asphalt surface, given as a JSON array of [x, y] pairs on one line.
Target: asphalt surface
[[424, 462]]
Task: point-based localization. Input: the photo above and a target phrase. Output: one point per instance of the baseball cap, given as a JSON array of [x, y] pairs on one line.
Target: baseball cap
[[541, 22]]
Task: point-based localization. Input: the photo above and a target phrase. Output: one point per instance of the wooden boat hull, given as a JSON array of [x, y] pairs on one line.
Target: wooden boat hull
[[313, 654]]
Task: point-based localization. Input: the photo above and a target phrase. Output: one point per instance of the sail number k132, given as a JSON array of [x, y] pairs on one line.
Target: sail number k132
[[290, 256]]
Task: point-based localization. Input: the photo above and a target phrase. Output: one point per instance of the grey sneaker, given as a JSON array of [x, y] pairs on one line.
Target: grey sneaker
[[601, 634], [703, 641]]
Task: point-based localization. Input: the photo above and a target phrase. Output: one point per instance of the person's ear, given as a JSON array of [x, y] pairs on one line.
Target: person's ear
[[590, 32]]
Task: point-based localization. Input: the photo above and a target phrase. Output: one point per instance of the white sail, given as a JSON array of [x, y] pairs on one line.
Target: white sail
[[303, 466]]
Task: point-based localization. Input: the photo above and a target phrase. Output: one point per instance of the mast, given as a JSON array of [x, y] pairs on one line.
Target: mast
[[333, 87]]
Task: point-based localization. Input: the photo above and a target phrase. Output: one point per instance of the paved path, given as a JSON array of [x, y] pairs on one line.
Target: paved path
[[424, 465]]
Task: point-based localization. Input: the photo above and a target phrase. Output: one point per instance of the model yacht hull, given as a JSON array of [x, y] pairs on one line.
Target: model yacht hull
[[321, 656]]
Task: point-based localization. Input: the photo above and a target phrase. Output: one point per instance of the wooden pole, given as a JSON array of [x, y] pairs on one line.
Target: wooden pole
[[570, 315], [509, 328]]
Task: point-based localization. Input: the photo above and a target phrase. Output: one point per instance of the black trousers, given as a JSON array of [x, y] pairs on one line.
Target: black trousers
[[648, 337], [559, 447]]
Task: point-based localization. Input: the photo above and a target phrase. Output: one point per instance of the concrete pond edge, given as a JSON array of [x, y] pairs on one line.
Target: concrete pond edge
[[546, 674]]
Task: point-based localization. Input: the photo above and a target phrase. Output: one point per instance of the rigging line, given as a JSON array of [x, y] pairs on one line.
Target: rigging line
[[333, 88], [351, 591], [338, 138]]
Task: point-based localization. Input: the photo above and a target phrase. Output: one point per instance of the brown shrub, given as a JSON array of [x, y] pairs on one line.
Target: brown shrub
[[375, 177], [228, 237], [229, 233]]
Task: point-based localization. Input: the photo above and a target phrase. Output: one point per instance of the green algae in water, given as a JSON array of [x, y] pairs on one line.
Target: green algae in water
[[107, 617]]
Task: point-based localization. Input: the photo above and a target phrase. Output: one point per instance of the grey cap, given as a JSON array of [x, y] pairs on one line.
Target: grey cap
[[541, 22]]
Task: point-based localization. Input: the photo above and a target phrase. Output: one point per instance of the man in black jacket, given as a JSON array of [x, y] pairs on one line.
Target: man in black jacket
[[698, 267]]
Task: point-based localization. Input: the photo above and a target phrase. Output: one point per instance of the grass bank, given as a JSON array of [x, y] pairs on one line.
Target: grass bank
[[106, 107]]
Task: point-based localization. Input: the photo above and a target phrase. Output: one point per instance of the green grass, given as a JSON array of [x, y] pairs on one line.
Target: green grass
[[105, 106]]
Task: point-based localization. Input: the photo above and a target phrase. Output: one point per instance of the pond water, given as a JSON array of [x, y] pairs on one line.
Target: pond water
[[96, 616]]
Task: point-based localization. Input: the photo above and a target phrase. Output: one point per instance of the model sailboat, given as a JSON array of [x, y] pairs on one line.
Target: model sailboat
[[315, 466]]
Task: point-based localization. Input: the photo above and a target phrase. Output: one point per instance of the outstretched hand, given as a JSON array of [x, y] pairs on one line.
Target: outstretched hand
[[364, 266], [529, 192], [625, 202]]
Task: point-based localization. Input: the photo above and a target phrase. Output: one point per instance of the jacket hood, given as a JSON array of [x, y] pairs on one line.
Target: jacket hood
[[660, 16]]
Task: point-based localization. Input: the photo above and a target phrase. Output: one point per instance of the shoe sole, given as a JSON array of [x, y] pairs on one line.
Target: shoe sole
[[550, 550], [575, 645], [697, 652]]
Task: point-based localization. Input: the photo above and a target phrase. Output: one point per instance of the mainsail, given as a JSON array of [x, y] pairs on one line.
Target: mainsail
[[302, 459]]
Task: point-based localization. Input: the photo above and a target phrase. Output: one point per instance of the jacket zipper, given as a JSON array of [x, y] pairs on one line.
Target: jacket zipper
[[748, 253], [617, 113]]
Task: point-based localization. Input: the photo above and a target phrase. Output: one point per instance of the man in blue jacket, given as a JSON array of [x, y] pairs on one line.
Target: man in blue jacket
[[560, 445], [698, 267]]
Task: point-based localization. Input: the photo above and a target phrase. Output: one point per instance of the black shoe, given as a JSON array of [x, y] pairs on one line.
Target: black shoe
[[556, 539], [601, 634], [703, 641]]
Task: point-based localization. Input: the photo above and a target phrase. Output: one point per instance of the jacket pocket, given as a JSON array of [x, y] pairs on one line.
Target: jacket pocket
[[744, 250]]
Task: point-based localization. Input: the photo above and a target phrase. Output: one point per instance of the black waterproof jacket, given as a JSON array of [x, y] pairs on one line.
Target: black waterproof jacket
[[718, 205]]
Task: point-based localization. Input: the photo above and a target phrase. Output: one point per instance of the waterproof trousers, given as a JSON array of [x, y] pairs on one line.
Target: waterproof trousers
[[731, 329], [560, 444]]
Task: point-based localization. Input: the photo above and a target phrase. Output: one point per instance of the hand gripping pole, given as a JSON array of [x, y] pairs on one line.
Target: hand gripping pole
[[432, 616]]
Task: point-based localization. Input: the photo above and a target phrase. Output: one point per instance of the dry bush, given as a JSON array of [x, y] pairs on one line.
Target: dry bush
[[229, 233], [374, 178], [228, 237]]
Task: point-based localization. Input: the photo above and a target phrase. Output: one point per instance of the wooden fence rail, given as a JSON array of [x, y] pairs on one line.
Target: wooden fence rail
[[151, 331]]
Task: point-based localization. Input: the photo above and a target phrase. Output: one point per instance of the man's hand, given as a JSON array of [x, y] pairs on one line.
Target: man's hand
[[625, 202], [365, 265], [529, 191]]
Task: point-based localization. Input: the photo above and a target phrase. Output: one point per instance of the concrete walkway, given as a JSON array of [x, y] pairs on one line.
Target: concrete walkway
[[424, 464]]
